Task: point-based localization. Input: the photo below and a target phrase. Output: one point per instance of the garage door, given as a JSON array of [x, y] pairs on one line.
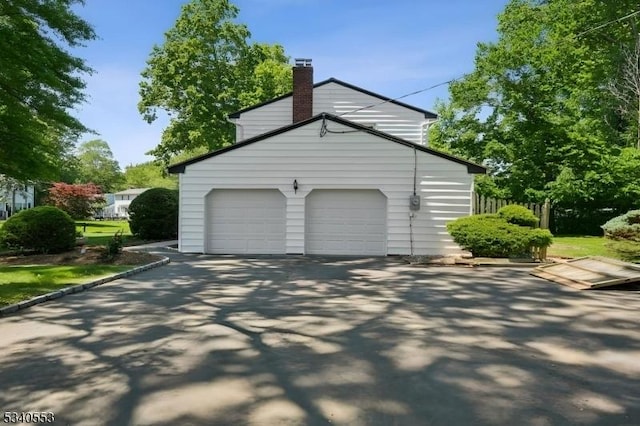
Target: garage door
[[346, 222], [246, 221]]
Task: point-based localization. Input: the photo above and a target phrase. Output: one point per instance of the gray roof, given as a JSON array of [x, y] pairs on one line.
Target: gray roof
[[132, 191]]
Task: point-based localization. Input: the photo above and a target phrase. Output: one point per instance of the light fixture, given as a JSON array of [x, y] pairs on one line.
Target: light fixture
[[295, 186]]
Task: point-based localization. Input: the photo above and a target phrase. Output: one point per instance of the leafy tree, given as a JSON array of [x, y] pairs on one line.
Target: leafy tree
[[148, 174], [80, 201], [205, 70], [97, 165], [40, 81], [536, 108]]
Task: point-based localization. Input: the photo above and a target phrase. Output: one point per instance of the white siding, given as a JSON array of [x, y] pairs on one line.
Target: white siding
[[336, 161], [336, 99]]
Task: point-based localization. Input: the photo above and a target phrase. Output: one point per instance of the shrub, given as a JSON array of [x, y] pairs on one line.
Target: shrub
[[43, 229], [153, 215], [624, 227], [113, 247], [518, 215], [492, 236]]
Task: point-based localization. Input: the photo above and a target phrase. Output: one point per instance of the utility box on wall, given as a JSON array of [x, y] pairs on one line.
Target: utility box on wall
[[414, 202]]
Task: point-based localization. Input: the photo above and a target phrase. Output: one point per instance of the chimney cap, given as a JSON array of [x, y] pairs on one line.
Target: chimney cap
[[303, 62]]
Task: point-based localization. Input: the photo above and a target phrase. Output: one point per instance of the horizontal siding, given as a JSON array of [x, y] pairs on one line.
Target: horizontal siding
[[387, 117], [338, 100], [346, 161]]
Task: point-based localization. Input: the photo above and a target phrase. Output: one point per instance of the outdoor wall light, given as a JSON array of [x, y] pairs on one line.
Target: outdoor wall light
[[295, 186]]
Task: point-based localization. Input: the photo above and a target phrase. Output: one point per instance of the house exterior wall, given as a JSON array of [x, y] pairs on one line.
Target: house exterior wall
[[336, 99], [355, 160], [12, 203]]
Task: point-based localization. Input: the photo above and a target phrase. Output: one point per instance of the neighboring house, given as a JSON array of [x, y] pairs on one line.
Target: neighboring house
[[12, 200], [330, 169], [118, 204], [109, 209]]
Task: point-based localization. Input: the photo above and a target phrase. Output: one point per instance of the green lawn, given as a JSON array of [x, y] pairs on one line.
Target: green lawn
[[23, 282], [581, 245], [98, 232]]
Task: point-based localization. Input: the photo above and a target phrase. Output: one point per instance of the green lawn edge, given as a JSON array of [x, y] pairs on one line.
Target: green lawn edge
[[23, 282]]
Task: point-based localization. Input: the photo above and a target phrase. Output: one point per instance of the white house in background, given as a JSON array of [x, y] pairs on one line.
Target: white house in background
[[118, 203], [329, 169], [16, 199]]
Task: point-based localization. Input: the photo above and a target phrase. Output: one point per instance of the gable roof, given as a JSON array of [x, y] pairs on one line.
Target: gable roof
[[427, 114], [131, 191], [471, 167]]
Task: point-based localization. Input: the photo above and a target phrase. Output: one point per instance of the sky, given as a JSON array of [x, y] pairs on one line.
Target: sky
[[388, 47]]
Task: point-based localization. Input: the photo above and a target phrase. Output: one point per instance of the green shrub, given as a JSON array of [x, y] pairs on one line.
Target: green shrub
[[43, 229], [518, 215], [627, 250], [113, 247], [624, 227], [492, 236], [153, 215]]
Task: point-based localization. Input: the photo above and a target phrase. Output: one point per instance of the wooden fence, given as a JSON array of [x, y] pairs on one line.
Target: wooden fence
[[483, 204]]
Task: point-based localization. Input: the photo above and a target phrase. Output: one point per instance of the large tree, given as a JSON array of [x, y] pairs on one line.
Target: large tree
[[148, 175], [205, 69], [537, 108], [40, 81], [97, 165]]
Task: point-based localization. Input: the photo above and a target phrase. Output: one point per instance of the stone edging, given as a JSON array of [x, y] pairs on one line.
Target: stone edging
[[79, 288]]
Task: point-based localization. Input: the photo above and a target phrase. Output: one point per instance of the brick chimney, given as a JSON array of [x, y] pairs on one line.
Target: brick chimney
[[302, 90]]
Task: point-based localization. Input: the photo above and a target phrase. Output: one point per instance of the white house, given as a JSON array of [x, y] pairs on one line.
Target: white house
[[120, 201], [328, 169], [14, 199]]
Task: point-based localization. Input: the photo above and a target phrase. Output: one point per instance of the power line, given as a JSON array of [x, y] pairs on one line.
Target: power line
[[596, 28], [590, 30], [402, 97]]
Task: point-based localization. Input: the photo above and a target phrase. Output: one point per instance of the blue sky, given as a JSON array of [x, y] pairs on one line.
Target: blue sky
[[389, 47]]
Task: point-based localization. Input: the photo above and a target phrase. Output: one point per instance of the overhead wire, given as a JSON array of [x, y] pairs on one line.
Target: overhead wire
[[402, 97], [590, 30], [606, 24]]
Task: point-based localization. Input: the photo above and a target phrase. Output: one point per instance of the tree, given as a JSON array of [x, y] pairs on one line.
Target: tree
[[626, 88], [40, 82], [536, 110], [148, 174], [205, 70], [97, 165], [80, 201]]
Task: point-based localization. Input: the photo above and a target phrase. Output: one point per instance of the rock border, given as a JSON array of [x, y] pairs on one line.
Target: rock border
[[80, 287]]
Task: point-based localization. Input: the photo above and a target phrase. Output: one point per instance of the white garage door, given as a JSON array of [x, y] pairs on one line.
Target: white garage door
[[346, 222], [248, 221]]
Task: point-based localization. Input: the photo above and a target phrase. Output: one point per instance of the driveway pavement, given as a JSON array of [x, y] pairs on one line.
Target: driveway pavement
[[233, 341]]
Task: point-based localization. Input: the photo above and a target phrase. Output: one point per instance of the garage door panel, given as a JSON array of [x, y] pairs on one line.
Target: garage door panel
[[246, 221], [346, 222]]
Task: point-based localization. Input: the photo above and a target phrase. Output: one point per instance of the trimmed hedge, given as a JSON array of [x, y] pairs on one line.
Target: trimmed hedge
[[490, 235], [44, 229], [624, 227], [518, 215], [153, 215]]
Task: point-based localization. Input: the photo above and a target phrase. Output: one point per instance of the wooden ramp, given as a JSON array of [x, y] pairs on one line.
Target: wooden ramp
[[591, 272]]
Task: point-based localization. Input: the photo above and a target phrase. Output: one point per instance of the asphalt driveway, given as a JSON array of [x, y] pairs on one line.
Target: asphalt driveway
[[217, 341]]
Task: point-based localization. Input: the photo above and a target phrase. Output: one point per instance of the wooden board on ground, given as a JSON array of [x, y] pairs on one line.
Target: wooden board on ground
[[590, 272]]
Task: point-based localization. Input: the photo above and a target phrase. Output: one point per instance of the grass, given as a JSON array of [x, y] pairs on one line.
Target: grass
[[24, 282], [98, 232], [585, 245]]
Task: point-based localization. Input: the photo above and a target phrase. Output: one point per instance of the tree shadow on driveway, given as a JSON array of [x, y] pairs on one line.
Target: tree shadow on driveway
[[229, 340]]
